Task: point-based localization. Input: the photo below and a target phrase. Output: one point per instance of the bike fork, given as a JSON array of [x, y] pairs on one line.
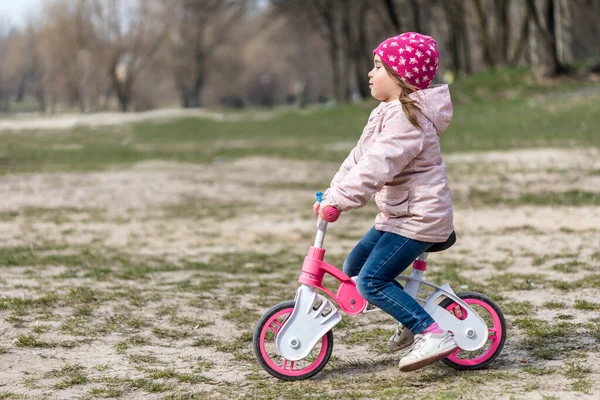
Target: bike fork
[[313, 316]]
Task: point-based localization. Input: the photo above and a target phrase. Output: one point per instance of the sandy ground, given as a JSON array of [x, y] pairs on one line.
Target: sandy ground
[[126, 209], [23, 122]]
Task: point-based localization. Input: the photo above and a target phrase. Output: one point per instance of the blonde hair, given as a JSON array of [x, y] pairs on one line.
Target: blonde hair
[[409, 106]]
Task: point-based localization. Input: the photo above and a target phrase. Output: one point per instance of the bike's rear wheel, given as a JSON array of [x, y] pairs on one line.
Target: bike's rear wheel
[[268, 356], [494, 319]]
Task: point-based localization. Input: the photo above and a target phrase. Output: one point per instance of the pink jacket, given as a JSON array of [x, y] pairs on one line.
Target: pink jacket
[[402, 167]]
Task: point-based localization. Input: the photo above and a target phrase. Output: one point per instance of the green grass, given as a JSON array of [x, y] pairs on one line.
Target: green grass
[[497, 110]]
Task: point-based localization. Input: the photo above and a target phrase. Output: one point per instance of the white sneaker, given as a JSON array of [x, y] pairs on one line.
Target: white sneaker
[[401, 339], [428, 348]]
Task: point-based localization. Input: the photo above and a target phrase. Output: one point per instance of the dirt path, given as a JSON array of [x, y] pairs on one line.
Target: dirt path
[[112, 282]]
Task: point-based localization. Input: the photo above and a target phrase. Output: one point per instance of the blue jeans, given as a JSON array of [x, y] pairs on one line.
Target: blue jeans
[[377, 259]]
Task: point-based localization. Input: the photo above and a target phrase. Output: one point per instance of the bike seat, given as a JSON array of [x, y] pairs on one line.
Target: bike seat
[[444, 245]]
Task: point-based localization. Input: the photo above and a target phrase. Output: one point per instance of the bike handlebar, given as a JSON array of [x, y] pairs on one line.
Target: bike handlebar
[[330, 213]]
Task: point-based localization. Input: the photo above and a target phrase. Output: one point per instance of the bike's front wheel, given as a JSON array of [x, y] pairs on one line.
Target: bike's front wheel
[[268, 356], [494, 319]]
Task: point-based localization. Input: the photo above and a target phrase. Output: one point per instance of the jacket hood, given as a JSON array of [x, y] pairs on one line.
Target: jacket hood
[[436, 105]]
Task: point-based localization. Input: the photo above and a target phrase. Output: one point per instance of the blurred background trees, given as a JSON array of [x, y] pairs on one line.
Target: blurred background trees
[[94, 55]]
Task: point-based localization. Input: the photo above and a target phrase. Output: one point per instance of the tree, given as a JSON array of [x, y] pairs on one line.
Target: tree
[[198, 28], [128, 44], [545, 24]]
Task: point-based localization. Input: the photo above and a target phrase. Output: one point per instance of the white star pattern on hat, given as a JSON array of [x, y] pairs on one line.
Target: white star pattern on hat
[[394, 44], [392, 58], [412, 60], [408, 48], [419, 54]]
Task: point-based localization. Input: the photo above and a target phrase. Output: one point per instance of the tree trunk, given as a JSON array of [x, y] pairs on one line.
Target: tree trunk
[[488, 54], [451, 15], [122, 89], [553, 65], [464, 37], [21, 89], [503, 28], [523, 36], [362, 62], [346, 38], [414, 5], [393, 15]]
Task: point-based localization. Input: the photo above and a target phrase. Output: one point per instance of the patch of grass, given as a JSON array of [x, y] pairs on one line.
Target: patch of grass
[[565, 317], [543, 329], [207, 341], [512, 281], [105, 393], [538, 370], [573, 197], [150, 385], [194, 379], [191, 322], [582, 385], [30, 341], [582, 304], [71, 375], [165, 333], [39, 329], [124, 320], [554, 305], [568, 267], [236, 344], [166, 373], [132, 341], [144, 359], [518, 308], [78, 327], [10, 395], [577, 371], [242, 316], [102, 367], [588, 281]]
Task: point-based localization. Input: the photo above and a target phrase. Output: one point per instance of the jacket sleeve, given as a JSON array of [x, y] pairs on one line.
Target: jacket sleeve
[[397, 144], [347, 165]]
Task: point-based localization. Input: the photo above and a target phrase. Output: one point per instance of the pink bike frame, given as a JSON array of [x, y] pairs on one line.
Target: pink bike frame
[[313, 272]]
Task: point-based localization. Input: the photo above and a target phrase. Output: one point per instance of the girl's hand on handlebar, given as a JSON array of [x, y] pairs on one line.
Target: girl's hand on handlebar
[[328, 212], [316, 208]]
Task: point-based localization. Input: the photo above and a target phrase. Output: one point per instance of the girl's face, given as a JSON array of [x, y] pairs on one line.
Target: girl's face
[[382, 85]]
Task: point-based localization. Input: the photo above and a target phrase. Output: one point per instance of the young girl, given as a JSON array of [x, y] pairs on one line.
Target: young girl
[[397, 160]]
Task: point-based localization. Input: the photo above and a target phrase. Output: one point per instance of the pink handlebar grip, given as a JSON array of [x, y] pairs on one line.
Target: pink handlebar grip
[[331, 214]]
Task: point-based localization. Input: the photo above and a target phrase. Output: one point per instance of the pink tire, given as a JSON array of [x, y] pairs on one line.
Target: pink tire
[[268, 356], [494, 318]]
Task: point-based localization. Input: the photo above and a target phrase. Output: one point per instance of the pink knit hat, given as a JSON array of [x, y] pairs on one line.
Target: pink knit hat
[[412, 56]]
